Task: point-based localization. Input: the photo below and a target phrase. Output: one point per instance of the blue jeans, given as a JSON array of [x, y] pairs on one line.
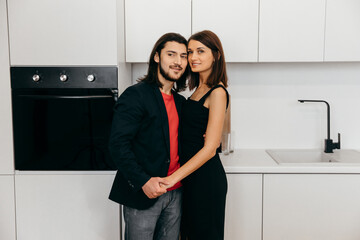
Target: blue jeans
[[159, 222]]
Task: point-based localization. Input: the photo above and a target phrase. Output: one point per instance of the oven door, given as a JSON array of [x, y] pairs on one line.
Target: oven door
[[62, 129]]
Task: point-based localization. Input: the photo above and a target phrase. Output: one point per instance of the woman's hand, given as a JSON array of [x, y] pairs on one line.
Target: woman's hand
[[153, 188], [169, 182]]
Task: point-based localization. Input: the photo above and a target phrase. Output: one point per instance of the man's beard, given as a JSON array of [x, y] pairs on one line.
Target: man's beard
[[166, 76]]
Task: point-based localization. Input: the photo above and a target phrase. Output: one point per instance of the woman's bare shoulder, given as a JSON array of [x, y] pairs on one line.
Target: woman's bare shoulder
[[219, 92]]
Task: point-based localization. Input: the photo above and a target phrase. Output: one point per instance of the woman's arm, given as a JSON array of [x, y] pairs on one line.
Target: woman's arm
[[217, 108]]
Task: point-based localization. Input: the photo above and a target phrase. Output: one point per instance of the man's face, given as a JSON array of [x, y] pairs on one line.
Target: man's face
[[172, 61]]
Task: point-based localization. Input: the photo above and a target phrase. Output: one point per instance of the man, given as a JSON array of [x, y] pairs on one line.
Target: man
[[144, 144]]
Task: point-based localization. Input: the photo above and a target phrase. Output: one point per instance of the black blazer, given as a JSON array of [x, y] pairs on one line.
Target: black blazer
[[139, 142]]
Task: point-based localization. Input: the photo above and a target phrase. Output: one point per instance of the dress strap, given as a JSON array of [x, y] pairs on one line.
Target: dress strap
[[202, 100]]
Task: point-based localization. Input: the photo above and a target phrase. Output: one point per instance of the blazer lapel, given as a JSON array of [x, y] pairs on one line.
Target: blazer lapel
[[178, 103], [164, 117]]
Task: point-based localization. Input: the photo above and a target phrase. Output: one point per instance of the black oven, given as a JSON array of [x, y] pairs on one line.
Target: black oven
[[62, 117]]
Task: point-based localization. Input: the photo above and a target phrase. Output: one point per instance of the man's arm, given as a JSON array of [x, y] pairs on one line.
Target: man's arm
[[126, 123]]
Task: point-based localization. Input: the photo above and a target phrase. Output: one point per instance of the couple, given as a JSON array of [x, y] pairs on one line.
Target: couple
[[166, 147]]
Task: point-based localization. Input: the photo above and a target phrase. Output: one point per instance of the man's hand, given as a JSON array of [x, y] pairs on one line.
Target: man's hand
[[152, 188]]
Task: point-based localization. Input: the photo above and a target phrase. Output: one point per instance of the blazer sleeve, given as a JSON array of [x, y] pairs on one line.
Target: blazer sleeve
[[128, 112]]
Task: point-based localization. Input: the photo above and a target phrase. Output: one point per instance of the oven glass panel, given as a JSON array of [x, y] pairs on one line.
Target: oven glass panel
[[62, 129]]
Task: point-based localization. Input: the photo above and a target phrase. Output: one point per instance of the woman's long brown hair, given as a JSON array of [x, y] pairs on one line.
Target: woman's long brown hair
[[218, 73]]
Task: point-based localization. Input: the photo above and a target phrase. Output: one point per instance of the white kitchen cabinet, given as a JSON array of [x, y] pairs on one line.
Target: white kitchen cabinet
[[291, 30], [7, 208], [146, 21], [342, 35], [311, 206], [124, 69], [243, 216], [59, 207], [235, 23], [6, 147], [67, 32]]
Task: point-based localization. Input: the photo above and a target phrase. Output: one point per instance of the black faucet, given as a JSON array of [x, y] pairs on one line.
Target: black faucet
[[329, 144]]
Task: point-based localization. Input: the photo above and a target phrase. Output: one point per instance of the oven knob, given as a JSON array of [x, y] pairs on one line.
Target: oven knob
[[91, 78], [63, 78], [36, 77]]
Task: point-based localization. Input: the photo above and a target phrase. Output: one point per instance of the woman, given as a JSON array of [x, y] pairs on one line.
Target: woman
[[203, 175]]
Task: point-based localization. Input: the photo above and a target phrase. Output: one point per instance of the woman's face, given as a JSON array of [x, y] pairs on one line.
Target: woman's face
[[200, 57]]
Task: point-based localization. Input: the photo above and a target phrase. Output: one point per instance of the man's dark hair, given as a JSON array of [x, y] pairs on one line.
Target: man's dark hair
[[152, 74]]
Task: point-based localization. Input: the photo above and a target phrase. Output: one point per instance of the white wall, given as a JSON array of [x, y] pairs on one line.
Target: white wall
[[266, 113], [6, 147]]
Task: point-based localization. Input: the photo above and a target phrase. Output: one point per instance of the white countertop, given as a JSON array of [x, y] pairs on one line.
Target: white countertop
[[258, 161], [241, 161]]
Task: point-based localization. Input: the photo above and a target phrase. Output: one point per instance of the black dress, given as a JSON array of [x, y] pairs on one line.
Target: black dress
[[205, 189]]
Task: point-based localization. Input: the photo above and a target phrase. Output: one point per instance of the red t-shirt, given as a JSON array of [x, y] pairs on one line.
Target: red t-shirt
[[173, 133]]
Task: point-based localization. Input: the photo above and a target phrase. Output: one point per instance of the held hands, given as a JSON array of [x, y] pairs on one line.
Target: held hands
[[169, 182], [155, 187]]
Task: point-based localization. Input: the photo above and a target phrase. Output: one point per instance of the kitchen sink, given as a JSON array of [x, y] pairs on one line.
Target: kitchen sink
[[314, 156]]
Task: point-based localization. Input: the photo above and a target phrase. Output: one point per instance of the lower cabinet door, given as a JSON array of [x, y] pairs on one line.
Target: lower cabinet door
[[60, 207], [311, 207], [7, 208], [243, 216]]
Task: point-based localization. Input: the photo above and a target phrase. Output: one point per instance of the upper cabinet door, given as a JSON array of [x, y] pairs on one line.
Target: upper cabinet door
[[66, 32], [146, 21], [235, 23], [342, 30], [291, 30]]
